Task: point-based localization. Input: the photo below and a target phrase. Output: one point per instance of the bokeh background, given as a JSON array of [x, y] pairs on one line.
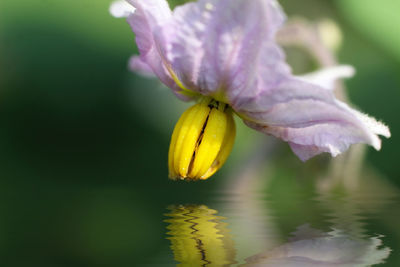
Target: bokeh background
[[83, 142]]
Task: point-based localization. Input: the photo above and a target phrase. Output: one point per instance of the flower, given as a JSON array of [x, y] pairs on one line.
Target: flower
[[223, 52]]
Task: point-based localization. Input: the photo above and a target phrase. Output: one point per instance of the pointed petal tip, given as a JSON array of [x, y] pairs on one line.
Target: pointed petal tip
[[385, 131], [375, 126], [378, 129], [121, 9], [347, 71]]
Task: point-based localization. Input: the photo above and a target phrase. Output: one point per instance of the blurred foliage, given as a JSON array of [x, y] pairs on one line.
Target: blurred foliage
[[379, 21], [87, 20]]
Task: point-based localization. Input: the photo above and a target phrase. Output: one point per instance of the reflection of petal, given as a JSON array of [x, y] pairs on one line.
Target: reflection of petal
[[311, 247], [199, 237]]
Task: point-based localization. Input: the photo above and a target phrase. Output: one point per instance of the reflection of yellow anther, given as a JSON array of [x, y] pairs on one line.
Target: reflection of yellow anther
[[199, 237], [202, 140]]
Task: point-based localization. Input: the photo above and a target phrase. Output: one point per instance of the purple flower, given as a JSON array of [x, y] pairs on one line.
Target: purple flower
[[224, 50]]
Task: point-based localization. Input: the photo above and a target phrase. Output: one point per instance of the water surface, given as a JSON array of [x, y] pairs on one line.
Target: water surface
[[309, 226]]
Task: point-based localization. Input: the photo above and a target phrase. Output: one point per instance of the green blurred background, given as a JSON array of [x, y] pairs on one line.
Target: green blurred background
[[83, 142]]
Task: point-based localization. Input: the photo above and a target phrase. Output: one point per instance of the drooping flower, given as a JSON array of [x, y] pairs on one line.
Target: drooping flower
[[222, 54]]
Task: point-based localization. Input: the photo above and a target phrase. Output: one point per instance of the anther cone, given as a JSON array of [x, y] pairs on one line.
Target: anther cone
[[202, 141]]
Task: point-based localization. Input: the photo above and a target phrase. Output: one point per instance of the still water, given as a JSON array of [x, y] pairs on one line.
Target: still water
[[322, 225]]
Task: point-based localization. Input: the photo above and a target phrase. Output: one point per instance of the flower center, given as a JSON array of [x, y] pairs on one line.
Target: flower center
[[202, 140]]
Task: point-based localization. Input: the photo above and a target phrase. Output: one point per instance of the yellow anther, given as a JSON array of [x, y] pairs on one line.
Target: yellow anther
[[202, 141], [229, 140], [199, 237]]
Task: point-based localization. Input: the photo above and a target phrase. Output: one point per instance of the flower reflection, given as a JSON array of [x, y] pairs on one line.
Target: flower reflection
[[199, 237], [311, 247]]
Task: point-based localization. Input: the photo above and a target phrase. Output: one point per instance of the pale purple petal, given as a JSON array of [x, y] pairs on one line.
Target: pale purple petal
[[307, 152], [281, 92], [145, 22], [327, 77], [149, 14], [217, 44], [121, 9], [271, 71], [310, 119], [136, 64]]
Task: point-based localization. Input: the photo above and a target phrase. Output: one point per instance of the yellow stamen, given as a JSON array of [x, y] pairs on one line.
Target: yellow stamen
[[202, 140]]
